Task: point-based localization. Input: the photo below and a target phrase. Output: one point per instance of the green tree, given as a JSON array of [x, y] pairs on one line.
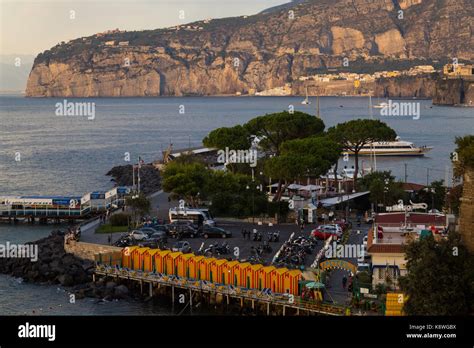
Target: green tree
[[453, 199], [434, 195], [139, 204], [440, 277], [383, 188], [463, 157], [355, 134], [186, 180], [274, 129], [300, 158], [235, 138]]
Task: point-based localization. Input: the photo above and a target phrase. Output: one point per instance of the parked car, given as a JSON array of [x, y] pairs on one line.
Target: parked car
[[215, 232], [139, 235], [159, 227], [325, 231], [183, 228], [182, 246], [148, 230], [160, 236]]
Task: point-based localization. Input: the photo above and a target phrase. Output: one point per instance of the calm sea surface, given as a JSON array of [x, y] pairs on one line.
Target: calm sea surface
[[41, 153]]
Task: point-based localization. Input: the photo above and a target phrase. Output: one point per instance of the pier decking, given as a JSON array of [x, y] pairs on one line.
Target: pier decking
[[245, 297]]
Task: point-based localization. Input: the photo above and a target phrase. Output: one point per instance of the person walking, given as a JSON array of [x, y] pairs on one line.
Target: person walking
[[344, 282]]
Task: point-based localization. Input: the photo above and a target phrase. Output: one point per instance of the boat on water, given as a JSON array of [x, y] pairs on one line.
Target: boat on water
[[380, 105], [306, 101], [393, 148]]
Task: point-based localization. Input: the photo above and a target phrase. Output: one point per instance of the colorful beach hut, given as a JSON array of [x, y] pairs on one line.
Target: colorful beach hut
[[160, 263], [228, 270], [127, 256], [254, 276], [171, 267], [291, 280], [265, 277], [205, 268], [278, 280], [138, 258], [149, 260], [182, 262], [217, 271], [193, 267], [242, 274]]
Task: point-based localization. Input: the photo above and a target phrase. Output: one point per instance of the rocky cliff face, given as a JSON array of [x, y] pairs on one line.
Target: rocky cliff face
[[454, 92], [254, 53]]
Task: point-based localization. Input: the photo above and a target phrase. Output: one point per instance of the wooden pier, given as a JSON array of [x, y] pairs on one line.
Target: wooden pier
[[221, 294]]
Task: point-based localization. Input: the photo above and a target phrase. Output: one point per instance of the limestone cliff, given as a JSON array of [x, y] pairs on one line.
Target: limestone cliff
[[254, 53]]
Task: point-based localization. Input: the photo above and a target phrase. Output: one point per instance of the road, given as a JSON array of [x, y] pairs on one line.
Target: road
[[160, 206]]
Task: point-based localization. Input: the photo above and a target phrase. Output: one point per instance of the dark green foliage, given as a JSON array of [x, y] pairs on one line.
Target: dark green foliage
[[355, 134], [440, 279], [275, 129], [464, 153], [383, 188], [120, 219]]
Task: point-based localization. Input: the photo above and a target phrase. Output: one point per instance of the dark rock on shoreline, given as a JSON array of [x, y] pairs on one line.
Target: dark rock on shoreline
[[55, 266], [150, 178]]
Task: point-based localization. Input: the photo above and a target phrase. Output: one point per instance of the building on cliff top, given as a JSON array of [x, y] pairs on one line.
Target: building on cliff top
[[458, 70]]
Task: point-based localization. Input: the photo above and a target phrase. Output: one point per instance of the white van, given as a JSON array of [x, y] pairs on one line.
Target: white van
[[192, 214]]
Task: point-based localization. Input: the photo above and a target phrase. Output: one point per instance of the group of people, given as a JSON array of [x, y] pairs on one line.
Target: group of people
[[247, 233], [104, 217]]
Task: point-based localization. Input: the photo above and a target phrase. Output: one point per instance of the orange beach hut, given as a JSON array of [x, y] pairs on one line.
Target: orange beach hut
[[182, 262], [254, 276], [149, 260], [242, 274], [290, 281], [171, 263], [228, 270], [127, 256], [160, 261], [193, 267], [205, 268], [278, 280], [138, 258], [217, 271], [265, 277]]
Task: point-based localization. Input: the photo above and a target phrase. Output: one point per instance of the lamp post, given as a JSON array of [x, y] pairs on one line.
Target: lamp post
[[253, 203], [385, 190], [432, 191]]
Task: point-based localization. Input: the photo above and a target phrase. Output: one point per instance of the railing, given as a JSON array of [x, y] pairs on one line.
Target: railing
[[53, 212], [200, 285]]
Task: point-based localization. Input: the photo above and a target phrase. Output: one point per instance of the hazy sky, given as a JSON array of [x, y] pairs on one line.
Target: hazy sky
[[32, 26]]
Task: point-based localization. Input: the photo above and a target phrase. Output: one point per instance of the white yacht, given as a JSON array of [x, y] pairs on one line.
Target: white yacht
[[306, 101], [381, 105], [393, 148]]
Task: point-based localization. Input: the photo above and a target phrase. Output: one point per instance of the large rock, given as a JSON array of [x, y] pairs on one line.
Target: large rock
[[121, 291]]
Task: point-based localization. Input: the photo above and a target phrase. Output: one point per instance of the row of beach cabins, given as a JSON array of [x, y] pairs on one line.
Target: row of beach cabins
[[200, 268]]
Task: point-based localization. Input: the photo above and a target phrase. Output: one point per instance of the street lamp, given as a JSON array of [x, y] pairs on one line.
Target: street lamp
[[253, 204], [385, 190], [432, 191]]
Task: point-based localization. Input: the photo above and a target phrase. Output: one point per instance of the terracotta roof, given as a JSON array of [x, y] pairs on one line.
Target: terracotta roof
[[381, 248], [386, 248], [413, 218]]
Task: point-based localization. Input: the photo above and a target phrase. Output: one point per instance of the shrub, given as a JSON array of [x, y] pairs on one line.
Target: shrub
[[120, 219]]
